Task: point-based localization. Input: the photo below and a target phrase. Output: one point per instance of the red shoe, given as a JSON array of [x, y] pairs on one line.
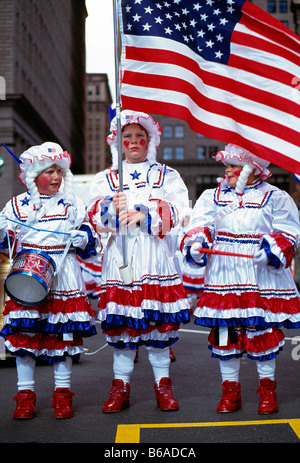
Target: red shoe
[[62, 403], [268, 397], [118, 397], [25, 405], [172, 355], [164, 395], [231, 398]]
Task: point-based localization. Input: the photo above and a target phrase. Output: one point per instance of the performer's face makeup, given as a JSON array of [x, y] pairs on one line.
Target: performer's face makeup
[[49, 180], [232, 173], [134, 142]]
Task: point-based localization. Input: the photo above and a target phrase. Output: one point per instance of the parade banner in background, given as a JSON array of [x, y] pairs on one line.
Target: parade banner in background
[[229, 69]]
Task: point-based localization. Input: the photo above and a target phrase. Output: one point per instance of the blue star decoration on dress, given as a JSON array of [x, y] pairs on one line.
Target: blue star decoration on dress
[[25, 201], [135, 175], [226, 189], [62, 201]]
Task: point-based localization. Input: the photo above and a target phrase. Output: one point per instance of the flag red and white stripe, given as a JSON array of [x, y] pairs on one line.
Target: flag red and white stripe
[[252, 100]]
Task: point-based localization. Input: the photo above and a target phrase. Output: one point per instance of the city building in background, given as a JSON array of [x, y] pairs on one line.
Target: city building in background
[[42, 62], [280, 9], [295, 8], [98, 99]]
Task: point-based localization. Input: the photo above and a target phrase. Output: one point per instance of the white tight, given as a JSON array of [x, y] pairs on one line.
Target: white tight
[[25, 372], [160, 362], [63, 373], [123, 364], [230, 369], [26, 369]]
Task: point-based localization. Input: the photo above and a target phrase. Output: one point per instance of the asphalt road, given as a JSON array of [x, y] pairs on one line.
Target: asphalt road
[[197, 387]]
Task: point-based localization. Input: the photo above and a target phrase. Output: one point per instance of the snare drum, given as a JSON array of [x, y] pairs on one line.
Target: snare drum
[[30, 277]]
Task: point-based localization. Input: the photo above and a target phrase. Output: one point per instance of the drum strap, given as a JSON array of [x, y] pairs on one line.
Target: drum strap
[[11, 248], [66, 250]]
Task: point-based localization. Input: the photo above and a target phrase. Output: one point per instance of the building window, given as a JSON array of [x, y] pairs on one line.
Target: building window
[[271, 6], [283, 6], [179, 153], [212, 150], [167, 153], [168, 131], [179, 131], [205, 182], [200, 152]]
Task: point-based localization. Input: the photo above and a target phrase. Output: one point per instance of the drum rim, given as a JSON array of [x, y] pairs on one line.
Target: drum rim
[[35, 251], [20, 301]]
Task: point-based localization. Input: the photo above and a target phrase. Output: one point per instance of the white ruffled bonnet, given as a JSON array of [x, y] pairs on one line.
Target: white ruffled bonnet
[[38, 158], [237, 156], [153, 129]]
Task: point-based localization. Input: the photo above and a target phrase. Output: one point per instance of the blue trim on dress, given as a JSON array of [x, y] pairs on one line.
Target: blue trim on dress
[[189, 257], [250, 321], [149, 343], [117, 321], [107, 218], [90, 249], [261, 358], [21, 325], [273, 260], [145, 226]]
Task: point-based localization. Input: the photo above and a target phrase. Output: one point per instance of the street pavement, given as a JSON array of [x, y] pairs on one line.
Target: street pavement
[[197, 387]]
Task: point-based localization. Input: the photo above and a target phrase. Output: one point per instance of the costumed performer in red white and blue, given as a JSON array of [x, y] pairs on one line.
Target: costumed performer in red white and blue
[[245, 300], [147, 308], [43, 220]]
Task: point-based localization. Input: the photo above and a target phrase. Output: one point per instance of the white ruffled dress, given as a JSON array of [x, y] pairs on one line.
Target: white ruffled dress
[[150, 309]]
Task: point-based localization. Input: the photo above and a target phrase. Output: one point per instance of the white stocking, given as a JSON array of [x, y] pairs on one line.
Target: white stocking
[[123, 364], [63, 373], [25, 372], [266, 369], [230, 369], [160, 362]]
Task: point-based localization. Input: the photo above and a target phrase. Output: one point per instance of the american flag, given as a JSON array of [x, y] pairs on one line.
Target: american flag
[[226, 67]]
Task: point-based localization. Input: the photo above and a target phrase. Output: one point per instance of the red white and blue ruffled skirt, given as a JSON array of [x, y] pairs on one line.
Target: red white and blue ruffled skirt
[[150, 310]]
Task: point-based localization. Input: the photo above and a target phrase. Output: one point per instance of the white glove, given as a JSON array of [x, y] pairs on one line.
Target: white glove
[[79, 241], [260, 258], [194, 251]]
